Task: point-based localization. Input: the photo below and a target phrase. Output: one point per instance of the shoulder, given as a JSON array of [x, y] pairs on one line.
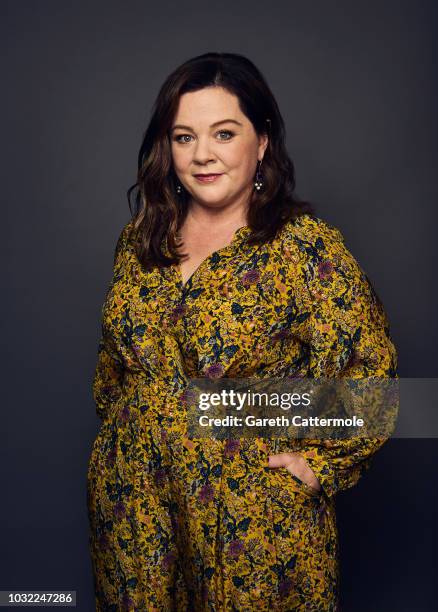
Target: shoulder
[[319, 250], [313, 230], [126, 233], [309, 241], [123, 240]]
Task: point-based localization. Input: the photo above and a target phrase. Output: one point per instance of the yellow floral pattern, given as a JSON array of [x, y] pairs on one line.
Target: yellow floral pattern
[[204, 524]]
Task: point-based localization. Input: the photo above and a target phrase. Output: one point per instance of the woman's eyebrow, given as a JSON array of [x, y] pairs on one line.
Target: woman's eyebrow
[[187, 127]]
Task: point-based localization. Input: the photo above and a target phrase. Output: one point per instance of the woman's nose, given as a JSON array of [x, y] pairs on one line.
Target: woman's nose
[[202, 152]]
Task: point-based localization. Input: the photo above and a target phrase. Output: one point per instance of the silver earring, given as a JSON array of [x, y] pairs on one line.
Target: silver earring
[[178, 188], [258, 184]]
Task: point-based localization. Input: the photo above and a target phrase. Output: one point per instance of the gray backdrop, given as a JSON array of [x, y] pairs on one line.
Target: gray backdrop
[[357, 85]]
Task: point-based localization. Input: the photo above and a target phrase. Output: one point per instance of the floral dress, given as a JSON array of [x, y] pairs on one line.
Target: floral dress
[[178, 523]]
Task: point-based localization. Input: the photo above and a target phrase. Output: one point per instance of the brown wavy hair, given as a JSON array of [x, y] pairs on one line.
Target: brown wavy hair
[[159, 210]]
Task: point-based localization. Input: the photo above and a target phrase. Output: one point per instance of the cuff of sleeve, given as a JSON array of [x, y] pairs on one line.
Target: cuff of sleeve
[[105, 398], [322, 468]]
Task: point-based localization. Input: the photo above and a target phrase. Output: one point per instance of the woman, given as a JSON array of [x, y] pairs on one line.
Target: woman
[[267, 289]]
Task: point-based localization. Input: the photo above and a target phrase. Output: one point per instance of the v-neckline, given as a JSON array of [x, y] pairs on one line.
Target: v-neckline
[[240, 232]]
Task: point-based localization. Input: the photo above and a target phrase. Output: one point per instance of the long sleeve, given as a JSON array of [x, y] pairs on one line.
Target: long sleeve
[[109, 371], [347, 334]]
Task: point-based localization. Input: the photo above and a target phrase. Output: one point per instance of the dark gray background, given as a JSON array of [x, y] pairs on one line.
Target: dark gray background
[[357, 85]]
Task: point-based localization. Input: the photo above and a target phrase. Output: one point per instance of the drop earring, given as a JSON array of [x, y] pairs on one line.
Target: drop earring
[[258, 184], [178, 189]]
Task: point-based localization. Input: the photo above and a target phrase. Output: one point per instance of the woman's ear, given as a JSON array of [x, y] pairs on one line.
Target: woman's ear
[[263, 143]]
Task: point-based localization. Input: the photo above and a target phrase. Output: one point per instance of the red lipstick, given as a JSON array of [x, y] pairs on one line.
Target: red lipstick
[[207, 178]]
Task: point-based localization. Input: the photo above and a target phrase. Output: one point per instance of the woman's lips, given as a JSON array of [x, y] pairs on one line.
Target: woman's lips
[[207, 178]]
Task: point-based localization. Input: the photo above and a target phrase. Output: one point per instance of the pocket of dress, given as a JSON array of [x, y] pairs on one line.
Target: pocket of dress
[[291, 483]]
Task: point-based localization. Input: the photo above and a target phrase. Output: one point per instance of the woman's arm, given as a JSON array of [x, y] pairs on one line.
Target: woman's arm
[[108, 377], [109, 371], [347, 333]]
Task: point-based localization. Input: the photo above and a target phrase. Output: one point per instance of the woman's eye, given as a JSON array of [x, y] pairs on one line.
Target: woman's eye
[[177, 138], [181, 137], [230, 134]]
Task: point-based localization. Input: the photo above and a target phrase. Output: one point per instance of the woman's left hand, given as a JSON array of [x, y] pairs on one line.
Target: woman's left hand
[[297, 465]]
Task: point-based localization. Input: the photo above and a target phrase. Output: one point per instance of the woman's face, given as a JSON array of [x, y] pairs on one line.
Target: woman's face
[[210, 134]]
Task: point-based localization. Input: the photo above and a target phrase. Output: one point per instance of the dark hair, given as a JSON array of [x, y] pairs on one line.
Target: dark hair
[[159, 210]]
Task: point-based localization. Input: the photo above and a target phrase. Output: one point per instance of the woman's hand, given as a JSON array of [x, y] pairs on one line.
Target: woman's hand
[[297, 465]]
